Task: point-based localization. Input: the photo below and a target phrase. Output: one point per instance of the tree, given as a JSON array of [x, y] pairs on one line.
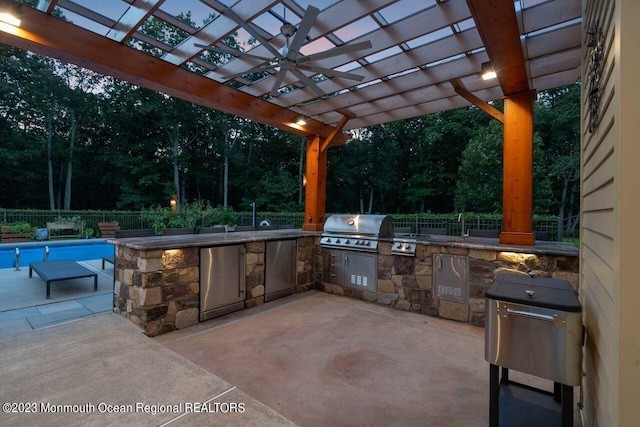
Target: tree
[[31, 92], [480, 176], [479, 185], [557, 120], [79, 101]]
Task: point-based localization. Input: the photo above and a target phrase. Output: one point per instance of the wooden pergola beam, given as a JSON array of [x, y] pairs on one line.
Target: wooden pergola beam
[[498, 27], [45, 35], [315, 194], [489, 109]]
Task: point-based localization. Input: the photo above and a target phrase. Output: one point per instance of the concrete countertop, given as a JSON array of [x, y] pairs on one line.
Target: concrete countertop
[[209, 239], [541, 247], [220, 239]]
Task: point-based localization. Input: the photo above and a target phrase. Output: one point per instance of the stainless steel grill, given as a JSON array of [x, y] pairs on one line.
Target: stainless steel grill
[[362, 232], [356, 232]]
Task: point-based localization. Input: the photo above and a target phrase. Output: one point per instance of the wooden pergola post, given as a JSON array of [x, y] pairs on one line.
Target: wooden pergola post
[[517, 193], [316, 187]]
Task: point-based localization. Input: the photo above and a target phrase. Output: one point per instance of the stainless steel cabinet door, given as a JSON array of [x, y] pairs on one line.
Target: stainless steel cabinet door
[[450, 277], [360, 271], [222, 279], [280, 274]]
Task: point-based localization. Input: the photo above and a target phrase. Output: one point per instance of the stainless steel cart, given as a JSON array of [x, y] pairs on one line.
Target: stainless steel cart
[[534, 325]]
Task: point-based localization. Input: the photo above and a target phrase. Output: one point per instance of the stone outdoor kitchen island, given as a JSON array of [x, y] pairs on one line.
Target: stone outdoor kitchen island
[[410, 283], [157, 279]]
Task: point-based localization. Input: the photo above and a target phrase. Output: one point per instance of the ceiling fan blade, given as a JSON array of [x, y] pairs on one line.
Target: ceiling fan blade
[[308, 82], [231, 14], [252, 70], [303, 31], [331, 73], [278, 82], [335, 51], [231, 51]]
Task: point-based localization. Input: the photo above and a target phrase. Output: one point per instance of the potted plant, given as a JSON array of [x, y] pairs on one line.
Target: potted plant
[[18, 232], [64, 223], [88, 233]]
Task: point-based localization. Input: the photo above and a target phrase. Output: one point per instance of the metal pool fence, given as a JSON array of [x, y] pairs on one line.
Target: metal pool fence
[[548, 227]]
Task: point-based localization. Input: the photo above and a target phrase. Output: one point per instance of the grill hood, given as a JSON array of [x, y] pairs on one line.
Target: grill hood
[[360, 225]]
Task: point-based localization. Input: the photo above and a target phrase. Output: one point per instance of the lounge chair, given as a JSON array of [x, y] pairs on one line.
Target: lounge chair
[[474, 232], [541, 235], [178, 231], [107, 229], [143, 232], [402, 231], [433, 231], [123, 234], [268, 227], [54, 271], [209, 230]]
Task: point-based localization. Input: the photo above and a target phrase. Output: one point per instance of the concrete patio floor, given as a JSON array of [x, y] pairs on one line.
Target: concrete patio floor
[[107, 372], [311, 359], [325, 360]]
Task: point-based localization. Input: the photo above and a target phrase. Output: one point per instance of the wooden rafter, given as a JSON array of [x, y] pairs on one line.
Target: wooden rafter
[[394, 87], [217, 29], [489, 109], [331, 139], [128, 23], [45, 35], [47, 6]]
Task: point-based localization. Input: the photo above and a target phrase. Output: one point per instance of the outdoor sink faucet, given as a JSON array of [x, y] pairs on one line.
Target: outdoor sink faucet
[[461, 219]]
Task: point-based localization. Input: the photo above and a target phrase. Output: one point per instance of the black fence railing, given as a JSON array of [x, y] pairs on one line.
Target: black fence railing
[[546, 226], [38, 218]]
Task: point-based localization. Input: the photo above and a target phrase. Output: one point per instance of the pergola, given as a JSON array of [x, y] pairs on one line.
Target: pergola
[[425, 56]]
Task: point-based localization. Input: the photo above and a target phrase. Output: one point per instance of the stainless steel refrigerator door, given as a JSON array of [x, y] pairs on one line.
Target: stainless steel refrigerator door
[[222, 280], [280, 269]]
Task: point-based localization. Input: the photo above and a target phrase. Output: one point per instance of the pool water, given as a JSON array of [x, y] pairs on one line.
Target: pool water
[[73, 252]]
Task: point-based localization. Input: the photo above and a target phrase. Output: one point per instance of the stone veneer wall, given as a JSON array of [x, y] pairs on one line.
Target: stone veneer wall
[[159, 290], [406, 283]]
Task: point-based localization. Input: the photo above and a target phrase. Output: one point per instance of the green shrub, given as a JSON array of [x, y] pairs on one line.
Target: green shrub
[[196, 214]]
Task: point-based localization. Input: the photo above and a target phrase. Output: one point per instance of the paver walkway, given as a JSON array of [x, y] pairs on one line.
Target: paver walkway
[[24, 307]]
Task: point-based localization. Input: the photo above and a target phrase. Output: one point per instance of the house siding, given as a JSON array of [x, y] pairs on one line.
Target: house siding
[[610, 207]]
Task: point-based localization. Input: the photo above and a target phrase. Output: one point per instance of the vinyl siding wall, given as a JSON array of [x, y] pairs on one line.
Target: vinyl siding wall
[[610, 259]]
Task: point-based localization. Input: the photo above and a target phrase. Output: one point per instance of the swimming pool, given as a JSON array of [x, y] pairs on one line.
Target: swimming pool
[[35, 253]]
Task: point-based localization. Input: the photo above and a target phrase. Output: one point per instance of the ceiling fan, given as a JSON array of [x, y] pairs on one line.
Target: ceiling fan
[[290, 59]]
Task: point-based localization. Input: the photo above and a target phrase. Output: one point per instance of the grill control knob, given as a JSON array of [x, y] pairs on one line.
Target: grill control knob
[[407, 246], [347, 242], [368, 243], [337, 240], [399, 245]]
